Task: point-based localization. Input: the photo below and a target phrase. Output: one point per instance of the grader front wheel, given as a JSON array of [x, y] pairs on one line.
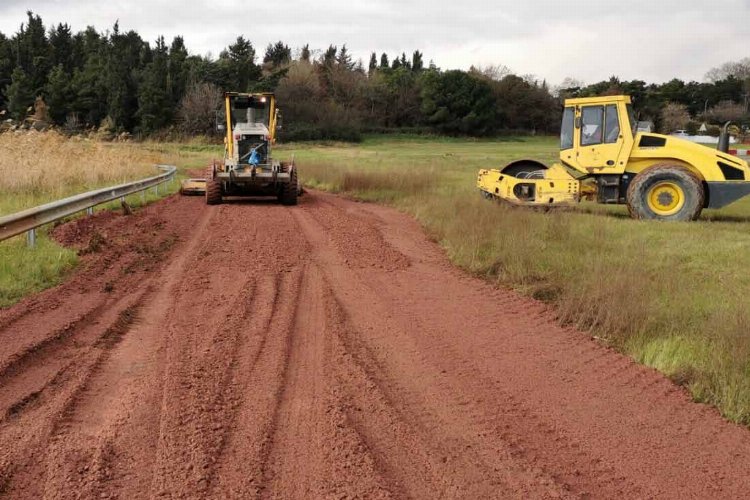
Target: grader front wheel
[[666, 192]]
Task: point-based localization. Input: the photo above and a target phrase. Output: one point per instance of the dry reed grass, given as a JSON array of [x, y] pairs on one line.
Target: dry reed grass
[[51, 165], [377, 185]]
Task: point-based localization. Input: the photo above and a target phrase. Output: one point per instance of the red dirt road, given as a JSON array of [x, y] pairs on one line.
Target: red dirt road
[[327, 350]]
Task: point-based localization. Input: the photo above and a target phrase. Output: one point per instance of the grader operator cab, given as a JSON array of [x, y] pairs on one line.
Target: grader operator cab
[[656, 176], [250, 122]]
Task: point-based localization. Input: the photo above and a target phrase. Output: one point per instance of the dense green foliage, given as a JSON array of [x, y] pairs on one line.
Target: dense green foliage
[[118, 82], [457, 103]]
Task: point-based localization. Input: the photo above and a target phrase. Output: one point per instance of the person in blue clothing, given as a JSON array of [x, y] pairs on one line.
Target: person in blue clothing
[[255, 157]]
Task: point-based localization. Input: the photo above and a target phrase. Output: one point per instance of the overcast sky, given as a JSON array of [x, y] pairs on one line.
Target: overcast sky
[[654, 40]]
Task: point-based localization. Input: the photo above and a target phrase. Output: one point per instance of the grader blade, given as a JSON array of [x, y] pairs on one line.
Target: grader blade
[[193, 187]]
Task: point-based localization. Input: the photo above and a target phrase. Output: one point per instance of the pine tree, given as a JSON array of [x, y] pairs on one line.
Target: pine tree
[[32, 52], [177, 75], [277, 54], [404, 62], [240, 58], [384, 61], [417, 63], [124, 56], [329, 56], [58, 94], [344, 59], [89, 86], [305, 55], [154, 109], [86, 43], [19, 94], [373, 63], [61, 45], [203, 69], [6, 67]]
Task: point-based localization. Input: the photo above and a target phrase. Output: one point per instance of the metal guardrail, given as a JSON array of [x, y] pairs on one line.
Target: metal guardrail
[[28, 220]]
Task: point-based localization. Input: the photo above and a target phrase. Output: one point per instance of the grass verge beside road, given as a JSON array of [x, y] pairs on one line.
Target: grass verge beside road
[[673, 296], [24, 271]]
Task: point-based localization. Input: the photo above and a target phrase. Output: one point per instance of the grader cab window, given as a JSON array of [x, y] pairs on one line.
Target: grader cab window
[[254, 109], [592, 125]]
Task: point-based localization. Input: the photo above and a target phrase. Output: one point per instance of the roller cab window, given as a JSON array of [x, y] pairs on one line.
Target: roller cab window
[[592, 125], [612, 125], [566, 132]]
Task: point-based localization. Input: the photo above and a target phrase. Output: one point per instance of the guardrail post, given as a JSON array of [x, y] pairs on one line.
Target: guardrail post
[[31, 238], [156, 190], [90, 211]]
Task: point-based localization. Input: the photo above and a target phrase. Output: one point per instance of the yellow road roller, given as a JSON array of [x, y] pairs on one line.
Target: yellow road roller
[[602, 154]]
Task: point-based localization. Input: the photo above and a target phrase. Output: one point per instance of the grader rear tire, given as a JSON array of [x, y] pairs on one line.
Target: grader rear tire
[[289, 191], [666, 192], [213, 187]]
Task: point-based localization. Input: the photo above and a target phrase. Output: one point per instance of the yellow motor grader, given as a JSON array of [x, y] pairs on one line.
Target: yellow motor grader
[[658, 177], [250, 122]]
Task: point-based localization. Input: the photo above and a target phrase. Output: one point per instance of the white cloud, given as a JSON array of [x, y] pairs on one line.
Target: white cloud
[[587, 39]]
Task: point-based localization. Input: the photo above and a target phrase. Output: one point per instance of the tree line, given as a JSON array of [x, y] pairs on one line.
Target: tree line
[[118, 81]]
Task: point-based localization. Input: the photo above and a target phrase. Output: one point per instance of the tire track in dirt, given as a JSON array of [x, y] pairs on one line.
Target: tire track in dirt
[[22, 346], [55, 373], [87, 456], [316, 451], [630, 433], [254, 335], [23, 474], [212, 407], [241, 472], [294, 463], [33, 371], [441, 460]]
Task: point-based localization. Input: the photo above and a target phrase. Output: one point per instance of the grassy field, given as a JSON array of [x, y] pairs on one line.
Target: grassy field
[[38, 168], [673, 296]]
